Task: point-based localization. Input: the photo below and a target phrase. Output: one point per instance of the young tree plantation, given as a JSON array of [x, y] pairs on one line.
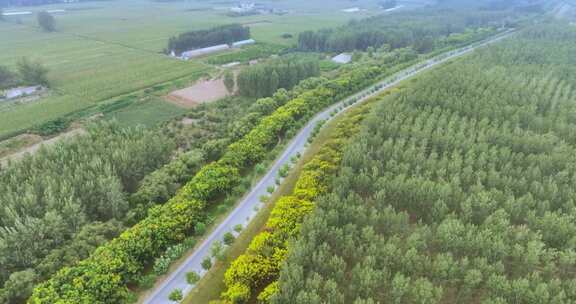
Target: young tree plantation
[[458, 189]]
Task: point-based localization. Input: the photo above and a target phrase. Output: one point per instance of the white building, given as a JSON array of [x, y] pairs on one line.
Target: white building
[[351, 10], [243, 7], [204, 51], [342, 58], [16, 13], [243, 42]]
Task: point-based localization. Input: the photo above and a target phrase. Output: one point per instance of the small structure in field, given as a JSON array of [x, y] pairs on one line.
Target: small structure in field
[[56, 11], [21, 92], [351, 10], [342, 58], [244, 7], [231, 64], [212, 49], [243, 42], [394, 8], [203, 51], [16, 13]]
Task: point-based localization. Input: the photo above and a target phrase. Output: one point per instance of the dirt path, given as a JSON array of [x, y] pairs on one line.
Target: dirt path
[[33, 148], [201, 92]]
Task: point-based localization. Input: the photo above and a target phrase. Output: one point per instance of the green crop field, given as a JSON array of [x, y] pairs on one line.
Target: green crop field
[[109, 48]]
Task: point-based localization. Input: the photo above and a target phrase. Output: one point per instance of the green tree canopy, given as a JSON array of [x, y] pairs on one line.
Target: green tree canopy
[[7, 77], [229, 81], [46, 21], [32, 72]]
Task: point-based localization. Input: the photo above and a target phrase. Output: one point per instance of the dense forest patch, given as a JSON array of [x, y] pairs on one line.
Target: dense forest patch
[[50, 199], [459, 189], [424, 30], [282, 73]]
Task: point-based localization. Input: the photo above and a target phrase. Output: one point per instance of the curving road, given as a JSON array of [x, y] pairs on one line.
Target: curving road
[[249, 205]]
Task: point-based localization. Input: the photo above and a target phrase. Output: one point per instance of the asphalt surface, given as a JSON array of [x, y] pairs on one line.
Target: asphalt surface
[[248, 207]]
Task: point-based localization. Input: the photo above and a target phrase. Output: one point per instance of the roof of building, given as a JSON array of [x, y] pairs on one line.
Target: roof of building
[[206, 50], [342, 58], [231, 64], [243, 42], [16, 13]]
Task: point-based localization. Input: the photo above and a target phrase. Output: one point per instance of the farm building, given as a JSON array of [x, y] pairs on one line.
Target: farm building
[[22, 13], [21, 91], [243, 7], [393, 8], [56, 11], [243, 42], [351, 10], [251, 8], [16, 13], [212, 49], [342, 58], [231, 64], [203, 51]]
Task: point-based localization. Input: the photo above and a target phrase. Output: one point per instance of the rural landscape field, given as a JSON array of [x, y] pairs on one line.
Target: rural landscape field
[[105, 49], [287, 151]]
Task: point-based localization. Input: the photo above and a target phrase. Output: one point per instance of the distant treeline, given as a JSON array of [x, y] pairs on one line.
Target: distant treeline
[[418, 29], [534, 6], [205, 38], [62, 202], [264, 79]]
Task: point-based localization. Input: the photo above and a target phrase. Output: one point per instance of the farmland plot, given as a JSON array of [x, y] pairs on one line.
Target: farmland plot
[[83, 72], [105, 49]]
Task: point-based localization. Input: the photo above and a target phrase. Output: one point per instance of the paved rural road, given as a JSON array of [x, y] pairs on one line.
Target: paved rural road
[[247, 208]]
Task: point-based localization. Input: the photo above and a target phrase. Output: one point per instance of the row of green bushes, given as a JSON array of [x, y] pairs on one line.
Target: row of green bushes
[[103, 277], [258, 268]]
